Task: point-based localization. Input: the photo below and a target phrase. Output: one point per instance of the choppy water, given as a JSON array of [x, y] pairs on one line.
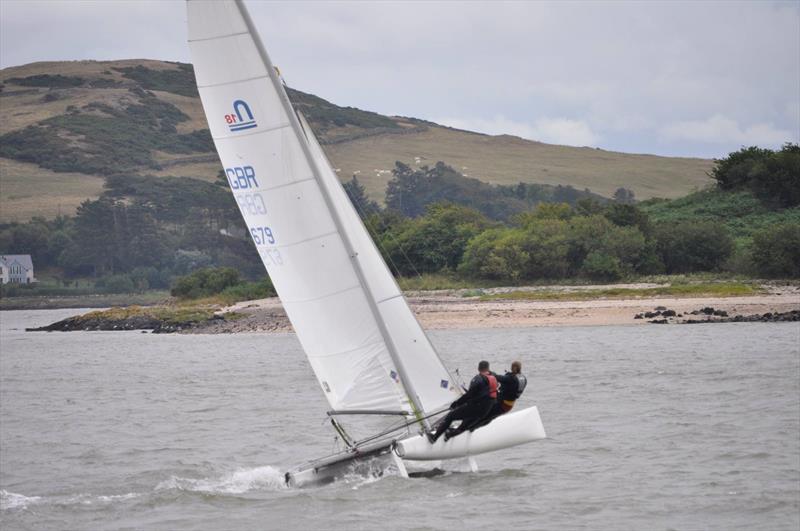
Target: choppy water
[[651, 427]]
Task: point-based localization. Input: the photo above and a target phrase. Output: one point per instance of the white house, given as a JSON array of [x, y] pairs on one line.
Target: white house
[[16, 269]]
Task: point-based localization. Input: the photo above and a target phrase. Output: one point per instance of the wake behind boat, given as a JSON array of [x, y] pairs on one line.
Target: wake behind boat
[[366, 347]]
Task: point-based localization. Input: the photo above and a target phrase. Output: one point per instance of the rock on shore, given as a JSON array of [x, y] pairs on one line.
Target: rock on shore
[[708, 314]]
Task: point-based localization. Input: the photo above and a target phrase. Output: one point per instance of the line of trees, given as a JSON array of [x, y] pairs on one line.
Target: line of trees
[[143, 232], [554, 241]]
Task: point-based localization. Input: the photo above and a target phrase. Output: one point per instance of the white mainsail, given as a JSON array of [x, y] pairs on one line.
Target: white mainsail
[[365, 345]]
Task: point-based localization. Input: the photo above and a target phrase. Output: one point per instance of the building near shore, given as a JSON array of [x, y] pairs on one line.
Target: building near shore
[[16, 269]]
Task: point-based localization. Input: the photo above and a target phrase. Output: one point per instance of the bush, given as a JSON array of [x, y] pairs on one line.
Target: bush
[[508, 258], [180, 81], [434, 242], [249, 290], [116, 284], [476, 259], [596, 234], [188, 261], [601, 266], [150, 278], [205, 283], [47, 80], [538, 250], [776, 250], [547, 248], [693, 246]]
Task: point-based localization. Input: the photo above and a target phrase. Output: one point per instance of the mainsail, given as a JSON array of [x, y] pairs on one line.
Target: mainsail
[[363, 342]]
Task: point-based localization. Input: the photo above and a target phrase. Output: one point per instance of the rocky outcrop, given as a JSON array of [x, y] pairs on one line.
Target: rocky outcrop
[[662, 315], [97, 321]]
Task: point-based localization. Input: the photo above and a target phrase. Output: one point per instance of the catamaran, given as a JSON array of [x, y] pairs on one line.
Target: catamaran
[[363, 342]]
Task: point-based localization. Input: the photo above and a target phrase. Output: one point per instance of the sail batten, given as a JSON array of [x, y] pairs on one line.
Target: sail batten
[[361, 338], [218, 37]]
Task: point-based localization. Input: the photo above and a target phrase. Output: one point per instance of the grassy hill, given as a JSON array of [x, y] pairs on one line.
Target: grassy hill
[[66, 125]]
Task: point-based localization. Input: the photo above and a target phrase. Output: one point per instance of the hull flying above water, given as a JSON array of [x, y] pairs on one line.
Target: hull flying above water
[[366, 348]]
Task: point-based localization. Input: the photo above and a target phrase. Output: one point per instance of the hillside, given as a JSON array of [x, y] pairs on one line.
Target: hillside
[[66, 125]]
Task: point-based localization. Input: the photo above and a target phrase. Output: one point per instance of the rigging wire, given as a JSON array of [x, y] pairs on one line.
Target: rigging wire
[[405, 424], [387, 231]]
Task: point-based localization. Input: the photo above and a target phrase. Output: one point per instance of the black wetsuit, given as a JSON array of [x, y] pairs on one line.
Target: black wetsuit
[[509, 387], [506, 396], [471, 407]]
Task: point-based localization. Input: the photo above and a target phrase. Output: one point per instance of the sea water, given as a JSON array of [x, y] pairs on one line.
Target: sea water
[[650, 427]]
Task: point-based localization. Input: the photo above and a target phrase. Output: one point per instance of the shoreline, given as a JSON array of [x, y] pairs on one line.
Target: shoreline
[[492, 308], [447, 312]]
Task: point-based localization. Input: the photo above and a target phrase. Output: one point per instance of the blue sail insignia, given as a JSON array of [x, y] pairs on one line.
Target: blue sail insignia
[[237, 121]]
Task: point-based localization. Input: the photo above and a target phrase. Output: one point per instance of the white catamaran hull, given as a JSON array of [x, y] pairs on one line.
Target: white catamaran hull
[[508, 430]]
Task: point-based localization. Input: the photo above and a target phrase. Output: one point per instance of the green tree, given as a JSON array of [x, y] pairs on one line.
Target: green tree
[[116, 284], [479, 261], [435, 241], [411, 191], [358, 196], [205, 282], [738, 168], [601, 266], [609, 242], [693, 246], [624, 196], [95, 237], [628, 215], [536, 251], [776, 250], [546, 245], [147, 246], [773, 177], [31, 238], [544, 211]]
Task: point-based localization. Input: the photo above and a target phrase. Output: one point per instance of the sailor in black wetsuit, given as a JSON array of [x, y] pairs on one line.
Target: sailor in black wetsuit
[[471, 407], [512, 384]]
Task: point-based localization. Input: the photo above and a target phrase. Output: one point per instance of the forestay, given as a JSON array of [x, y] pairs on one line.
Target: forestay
[[362, 340]]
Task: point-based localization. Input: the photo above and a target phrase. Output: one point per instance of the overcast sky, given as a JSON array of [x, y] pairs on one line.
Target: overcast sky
[[676, 78]]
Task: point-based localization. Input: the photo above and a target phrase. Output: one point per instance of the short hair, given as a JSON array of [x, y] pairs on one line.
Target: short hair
[[516, 366], [483, 365]]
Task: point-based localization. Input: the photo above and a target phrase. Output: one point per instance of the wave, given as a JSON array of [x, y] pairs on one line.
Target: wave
[[12, 501], [237, 482]]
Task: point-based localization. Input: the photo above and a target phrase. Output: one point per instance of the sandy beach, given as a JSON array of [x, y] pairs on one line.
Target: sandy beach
[[437, 310]]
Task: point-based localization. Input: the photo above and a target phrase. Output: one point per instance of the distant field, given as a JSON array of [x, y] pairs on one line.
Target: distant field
[[509, 160], [26, 190]]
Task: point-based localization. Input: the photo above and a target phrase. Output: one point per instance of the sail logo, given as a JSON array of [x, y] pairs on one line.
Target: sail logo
[[395, 376], [444, 384], [242, 117]]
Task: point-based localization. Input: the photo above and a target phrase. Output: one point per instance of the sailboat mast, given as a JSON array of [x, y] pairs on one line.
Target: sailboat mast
[[405, 381]]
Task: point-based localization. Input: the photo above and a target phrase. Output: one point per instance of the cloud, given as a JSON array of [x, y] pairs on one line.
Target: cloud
[[550, 130], [640, 76], [565, 131], [719, 129]]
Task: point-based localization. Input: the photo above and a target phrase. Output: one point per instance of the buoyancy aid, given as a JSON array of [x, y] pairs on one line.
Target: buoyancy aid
[[492, 385]]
